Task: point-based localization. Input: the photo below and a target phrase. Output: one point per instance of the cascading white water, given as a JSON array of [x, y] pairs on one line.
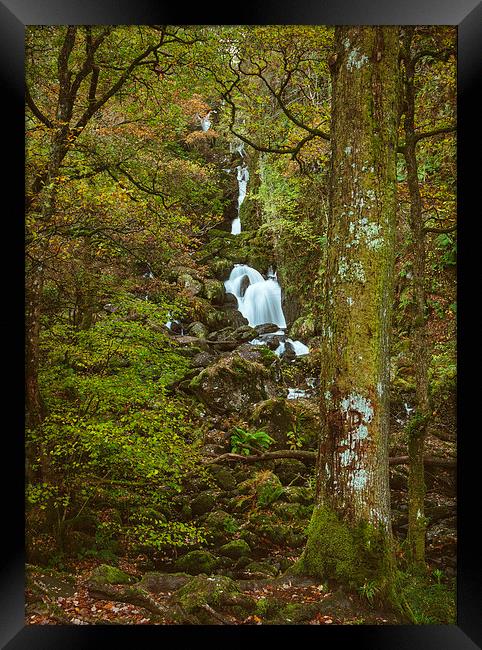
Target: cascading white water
[[299, 347], [243, 178], [206, 122], [261, 301], [262, 304]]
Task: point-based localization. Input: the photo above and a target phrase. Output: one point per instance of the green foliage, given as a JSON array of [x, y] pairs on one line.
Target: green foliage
[[369, 589], [425, 601], [295, 436], [245, 442], [447, 245]]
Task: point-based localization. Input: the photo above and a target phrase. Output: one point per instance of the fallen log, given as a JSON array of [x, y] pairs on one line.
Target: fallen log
[[428, 460], [311, 457], [132, 594]]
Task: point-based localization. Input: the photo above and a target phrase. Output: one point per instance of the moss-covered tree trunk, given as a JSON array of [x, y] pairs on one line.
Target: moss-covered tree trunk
[[419, 340], [350, 532]]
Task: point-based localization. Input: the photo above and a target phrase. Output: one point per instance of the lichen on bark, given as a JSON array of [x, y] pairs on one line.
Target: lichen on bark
[[352, 485]]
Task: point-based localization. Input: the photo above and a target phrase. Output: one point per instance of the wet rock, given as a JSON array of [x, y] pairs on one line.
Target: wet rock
[[196, 562], [244, 285], [266, 328], [288, 353], [231, 300], [197, 329]]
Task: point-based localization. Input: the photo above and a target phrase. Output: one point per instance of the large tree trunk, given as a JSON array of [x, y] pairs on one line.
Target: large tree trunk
[[350, 532], [419, 341]]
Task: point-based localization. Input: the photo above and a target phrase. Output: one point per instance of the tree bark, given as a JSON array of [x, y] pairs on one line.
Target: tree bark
[[417, 429], [352, 511]]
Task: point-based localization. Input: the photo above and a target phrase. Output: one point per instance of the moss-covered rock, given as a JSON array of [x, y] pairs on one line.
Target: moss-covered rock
[[264, 485], [198, 329], [268, 528], [291, 470], [233, 384], [157, 582], [214, 291], [192, 286], [296, 513], [235, 549], [223, 477], [203, 502], [196, 562], [220, 525], [298, 494], [303, 328], [261, 570], [110, 575], [219, 593], [296, 613], [279, 416]]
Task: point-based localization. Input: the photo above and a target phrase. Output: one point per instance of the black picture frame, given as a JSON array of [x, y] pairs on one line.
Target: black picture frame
[[467, 16]]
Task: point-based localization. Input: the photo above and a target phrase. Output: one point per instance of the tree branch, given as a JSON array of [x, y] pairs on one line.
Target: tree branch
[[35, 110], [429, 134]]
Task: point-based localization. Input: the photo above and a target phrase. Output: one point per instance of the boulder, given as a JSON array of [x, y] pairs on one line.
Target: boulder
[[203, 502], [291, 471], [203, 359], [197, 329], [220, 525], [235, 549], [266, 328], [214, 291], [233, 384], [192, 286], [201, 598], [109, 575], [157, 583], [223, 477], [260, 570], [279, 416], [196, 562]]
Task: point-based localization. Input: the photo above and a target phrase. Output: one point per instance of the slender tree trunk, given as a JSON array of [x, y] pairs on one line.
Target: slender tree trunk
[[34, 410], [350, 533], [419, 339]]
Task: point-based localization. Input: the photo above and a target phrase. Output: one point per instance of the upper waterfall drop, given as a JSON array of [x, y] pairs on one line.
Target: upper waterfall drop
[[242, 175]]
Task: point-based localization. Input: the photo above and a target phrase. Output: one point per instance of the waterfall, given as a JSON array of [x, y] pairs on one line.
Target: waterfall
[[243, 178], [242, 175], [260, 302], [299, 347]]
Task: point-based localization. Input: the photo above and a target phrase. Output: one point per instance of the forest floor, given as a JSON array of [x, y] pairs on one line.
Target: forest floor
[[67, 600]]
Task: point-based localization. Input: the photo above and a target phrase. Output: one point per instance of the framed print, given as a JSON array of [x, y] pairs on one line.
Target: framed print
[[246, 341]]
